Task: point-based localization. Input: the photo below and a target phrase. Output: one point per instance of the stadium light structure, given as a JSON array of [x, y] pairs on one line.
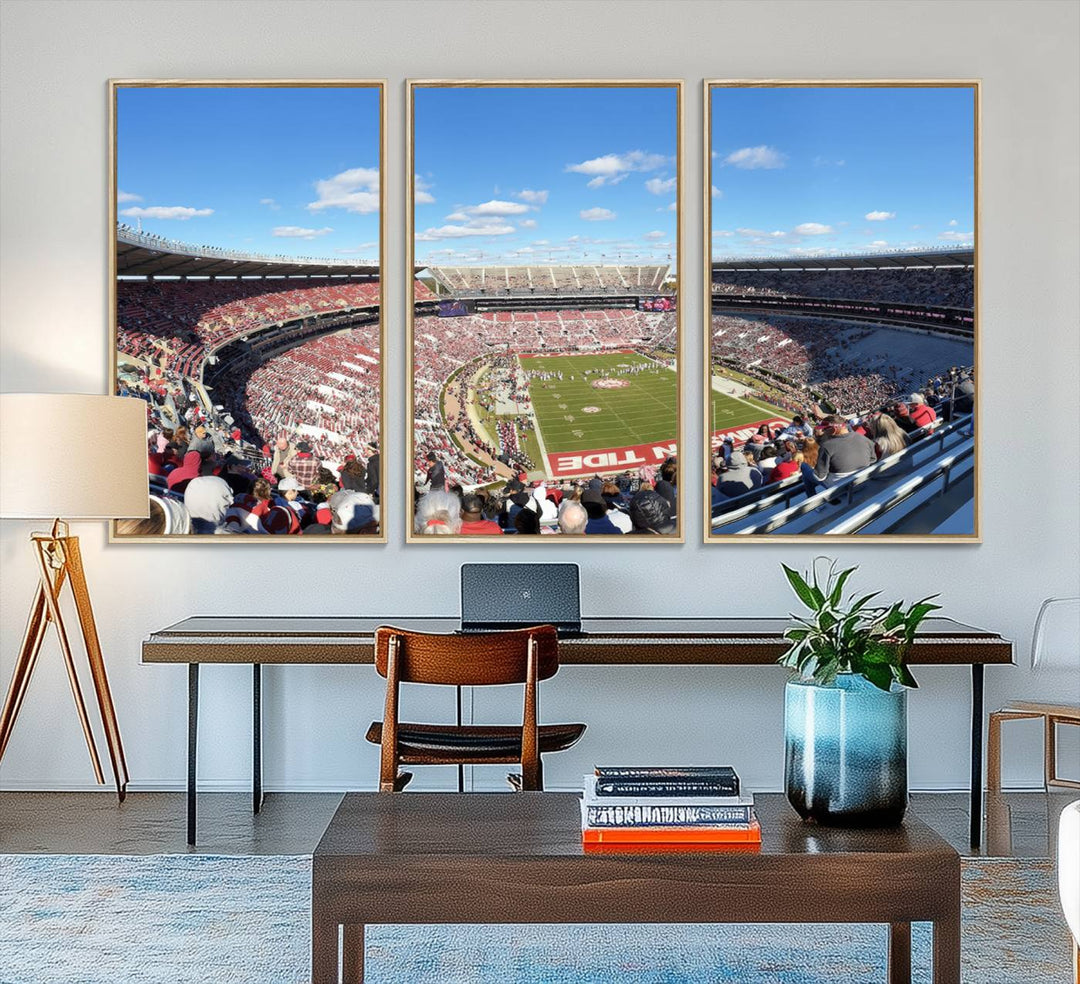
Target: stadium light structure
[[113, 484]]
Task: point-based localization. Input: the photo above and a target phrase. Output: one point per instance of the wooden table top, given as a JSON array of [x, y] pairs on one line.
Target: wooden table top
[[409, 827], [604, 640]]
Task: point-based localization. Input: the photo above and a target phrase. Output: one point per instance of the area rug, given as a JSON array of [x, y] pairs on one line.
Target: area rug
[[245, 920]]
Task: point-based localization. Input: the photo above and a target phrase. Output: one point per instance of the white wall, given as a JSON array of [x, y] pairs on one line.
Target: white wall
[[55, 60]]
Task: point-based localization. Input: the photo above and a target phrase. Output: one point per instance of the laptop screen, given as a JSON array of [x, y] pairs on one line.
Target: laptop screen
[[509, 595]]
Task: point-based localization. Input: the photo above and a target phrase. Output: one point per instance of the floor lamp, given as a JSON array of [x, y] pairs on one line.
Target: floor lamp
[[110, 483]]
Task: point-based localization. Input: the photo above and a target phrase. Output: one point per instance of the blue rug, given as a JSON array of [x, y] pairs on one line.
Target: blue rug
[[245, 920]]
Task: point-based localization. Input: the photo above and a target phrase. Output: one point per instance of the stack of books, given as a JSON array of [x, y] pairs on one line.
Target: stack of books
[[677, 806]]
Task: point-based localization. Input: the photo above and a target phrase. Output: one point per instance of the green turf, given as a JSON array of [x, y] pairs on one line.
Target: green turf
[[730, 411], [642, 413]]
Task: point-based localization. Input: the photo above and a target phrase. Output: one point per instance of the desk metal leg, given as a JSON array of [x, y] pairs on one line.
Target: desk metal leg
[[976, 804], [461, 766], [256, 738], [192, 748]]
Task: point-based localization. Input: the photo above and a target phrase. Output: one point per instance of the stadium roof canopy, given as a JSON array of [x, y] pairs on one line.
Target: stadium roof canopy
[[142, 255], [896, 260]]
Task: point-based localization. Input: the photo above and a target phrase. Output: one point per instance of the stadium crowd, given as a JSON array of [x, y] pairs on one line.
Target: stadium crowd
[[443, 346], [943, 287], [177, 323], [642, 502], [816, 354], [494, 280], [820, 449]]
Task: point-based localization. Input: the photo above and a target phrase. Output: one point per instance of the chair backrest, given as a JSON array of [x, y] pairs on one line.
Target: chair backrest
[[1055, 643], [471, 660]]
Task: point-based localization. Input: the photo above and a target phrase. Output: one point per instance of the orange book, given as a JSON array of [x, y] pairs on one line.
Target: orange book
[[749, 834]]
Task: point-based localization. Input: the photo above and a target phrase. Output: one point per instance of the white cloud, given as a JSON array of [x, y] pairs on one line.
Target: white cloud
[[597, 214], [496, 207], [269, 203], [612, 168], [722, 232], [355, 190], [299, 232], [670, 207], [812, 229], [655, 234], [953, 222], [532, 197], [877, 244], [127, 196], [461, 231], [527, 224], [457, 217], [879, 216], [753, 158], [181, 212], [661, 186], [957, 237], [716, 192], [820, 161]]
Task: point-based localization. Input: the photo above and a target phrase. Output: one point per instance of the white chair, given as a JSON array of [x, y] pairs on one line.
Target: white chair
[[1055, 646], [1069, 875]]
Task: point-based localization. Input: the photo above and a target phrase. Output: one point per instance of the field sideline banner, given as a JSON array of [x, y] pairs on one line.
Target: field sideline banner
[[571, 464]]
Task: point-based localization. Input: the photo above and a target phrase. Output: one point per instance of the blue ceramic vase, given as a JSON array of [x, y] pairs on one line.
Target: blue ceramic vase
[[846, 751]]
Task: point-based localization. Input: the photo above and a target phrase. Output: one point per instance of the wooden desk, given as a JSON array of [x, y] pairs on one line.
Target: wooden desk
[[608, 641], [435, 858]]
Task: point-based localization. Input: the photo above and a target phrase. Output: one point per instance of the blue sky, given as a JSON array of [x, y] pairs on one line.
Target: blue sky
[[544, 174], [799, 170], [292, 171]]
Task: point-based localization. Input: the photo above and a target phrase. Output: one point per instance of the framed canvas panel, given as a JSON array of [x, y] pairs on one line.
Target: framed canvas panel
[[544, 335], [841, 297], [246, 253]]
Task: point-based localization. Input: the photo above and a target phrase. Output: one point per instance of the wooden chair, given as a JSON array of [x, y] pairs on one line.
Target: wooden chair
[[1058, 618], [485, 659]]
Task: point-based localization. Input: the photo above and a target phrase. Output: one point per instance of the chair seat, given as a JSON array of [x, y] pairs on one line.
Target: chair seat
[[473, 743]]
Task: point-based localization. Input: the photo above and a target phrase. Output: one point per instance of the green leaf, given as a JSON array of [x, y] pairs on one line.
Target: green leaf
[[800, 587], [838, 591], [880, 676]]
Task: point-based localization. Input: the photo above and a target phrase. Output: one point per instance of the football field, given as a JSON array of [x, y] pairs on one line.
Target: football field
[[575, 416], [729, 412]]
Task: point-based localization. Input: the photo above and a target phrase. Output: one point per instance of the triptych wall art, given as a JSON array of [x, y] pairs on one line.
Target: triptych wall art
[[544, 392]]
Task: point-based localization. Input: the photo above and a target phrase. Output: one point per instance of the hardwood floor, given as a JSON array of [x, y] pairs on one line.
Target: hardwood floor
[[1021, 824]]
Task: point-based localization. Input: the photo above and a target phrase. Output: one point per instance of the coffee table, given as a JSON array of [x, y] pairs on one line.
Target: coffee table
[[431, 858]]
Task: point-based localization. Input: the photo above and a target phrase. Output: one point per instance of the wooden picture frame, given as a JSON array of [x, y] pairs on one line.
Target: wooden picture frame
[[293, 180], [760, 283], [604, 167]]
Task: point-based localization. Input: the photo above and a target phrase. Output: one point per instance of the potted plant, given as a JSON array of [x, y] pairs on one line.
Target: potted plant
[[845, 714]]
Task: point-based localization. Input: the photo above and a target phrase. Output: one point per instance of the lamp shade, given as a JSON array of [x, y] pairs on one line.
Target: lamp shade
[[72, 456]]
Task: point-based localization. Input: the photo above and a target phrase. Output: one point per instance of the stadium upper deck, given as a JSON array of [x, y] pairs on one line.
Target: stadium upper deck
[[140, 254], [479, 281], [891, 260]]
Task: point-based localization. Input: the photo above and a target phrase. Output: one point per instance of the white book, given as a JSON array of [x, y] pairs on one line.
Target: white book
[[591, 799]]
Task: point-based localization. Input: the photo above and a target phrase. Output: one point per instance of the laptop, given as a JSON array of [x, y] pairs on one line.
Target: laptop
[[495, 597]]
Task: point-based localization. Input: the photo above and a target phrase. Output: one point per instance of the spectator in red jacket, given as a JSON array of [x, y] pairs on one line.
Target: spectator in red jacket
[[922, 415]]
